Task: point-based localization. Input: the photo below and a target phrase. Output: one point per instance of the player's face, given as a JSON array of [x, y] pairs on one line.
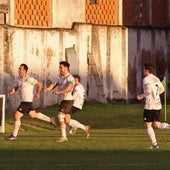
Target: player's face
[[63, 70], [145, 72], [21, 71], [76, 81]]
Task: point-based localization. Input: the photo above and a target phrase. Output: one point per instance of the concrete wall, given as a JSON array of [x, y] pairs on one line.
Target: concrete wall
[[147, 45], [118, 56], [66, 13], [42, 50]]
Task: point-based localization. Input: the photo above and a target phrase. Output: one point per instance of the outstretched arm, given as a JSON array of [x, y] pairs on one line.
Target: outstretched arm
[[66, 90], [50, 87]]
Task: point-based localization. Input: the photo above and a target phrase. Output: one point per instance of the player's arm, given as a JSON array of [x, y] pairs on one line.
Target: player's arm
[[51, 87], [38, 89], [147, 91], [66, 90], [12, 91], [161, 88]]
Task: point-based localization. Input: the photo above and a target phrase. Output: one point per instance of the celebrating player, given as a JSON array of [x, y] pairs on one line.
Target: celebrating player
[[79, 95], [25, 86], [65, 83]]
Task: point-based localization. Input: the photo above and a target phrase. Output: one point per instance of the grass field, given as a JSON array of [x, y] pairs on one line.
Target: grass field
[[118, 141]]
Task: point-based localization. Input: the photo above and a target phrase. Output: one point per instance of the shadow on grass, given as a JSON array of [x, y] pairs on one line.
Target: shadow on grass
[[68, 160]]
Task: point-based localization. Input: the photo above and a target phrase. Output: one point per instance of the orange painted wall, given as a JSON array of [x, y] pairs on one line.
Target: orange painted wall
[[32, 12], [105, 12]]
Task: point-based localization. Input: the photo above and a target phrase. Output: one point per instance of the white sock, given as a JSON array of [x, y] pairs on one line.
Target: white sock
[[75, 123], [17, 125], [63, 131], [43, 117], [163, 125], [151, 134]]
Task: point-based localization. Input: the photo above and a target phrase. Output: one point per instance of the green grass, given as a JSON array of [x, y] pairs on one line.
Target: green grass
[[118, 141]]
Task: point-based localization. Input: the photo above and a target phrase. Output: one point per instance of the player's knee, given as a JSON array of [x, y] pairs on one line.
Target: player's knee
[[67, 118], [61, 117], [33, 114]]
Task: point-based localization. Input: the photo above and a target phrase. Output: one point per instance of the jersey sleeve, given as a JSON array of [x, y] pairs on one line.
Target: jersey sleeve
[[32, 80], [70, 79], [161, 87], [147, 88]]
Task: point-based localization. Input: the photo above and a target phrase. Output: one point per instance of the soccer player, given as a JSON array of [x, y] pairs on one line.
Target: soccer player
[[65, 83], [25, 86], [79, 96], [152, 88]]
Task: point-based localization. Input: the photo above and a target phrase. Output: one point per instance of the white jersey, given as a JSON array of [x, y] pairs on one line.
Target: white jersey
[[79, 96], [152, 90], [63, 82], [25, 88]]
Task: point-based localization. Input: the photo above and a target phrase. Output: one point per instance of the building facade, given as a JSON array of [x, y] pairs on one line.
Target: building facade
[[105, 41]]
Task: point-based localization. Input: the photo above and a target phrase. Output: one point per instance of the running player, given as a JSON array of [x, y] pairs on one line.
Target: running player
[[79, 97], [152, 88], [65, 83], [25, 86]]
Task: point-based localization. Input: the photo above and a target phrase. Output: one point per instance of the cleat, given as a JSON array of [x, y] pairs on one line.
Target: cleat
[[87, 130], [53, 121], [11, 138], [74, 129], [62, 139], [154, 147], [70, 132]]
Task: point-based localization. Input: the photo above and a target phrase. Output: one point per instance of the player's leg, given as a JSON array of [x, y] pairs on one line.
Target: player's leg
[[38, 115], [162, 125], [151, 134], [61, 119], [157, 123], [17, 124], [65, 108], [69, 128], [76, 124], [148, 117]]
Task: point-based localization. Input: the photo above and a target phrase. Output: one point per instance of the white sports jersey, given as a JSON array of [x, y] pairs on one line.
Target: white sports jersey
[[152, 90], [25, 88], [63, 82], [79, 96]]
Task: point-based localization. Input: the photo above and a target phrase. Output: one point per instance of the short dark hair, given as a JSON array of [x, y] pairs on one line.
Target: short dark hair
[[77, 76], [25, 66], [150, 67], [65, 63]]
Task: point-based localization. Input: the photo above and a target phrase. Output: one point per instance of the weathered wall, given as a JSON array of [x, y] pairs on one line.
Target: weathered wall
[[147, 45], [42, 50], [66, 13]]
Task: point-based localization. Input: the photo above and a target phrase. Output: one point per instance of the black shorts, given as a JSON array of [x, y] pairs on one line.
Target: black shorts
[[25, 107], [66, 106], [151, 115], [74, 109]]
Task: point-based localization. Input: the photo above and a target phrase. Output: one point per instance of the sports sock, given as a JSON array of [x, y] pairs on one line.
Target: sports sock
[[43, 117], [75, 123], [17, 125], [63, 131], [163, 125], [152, 136]]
